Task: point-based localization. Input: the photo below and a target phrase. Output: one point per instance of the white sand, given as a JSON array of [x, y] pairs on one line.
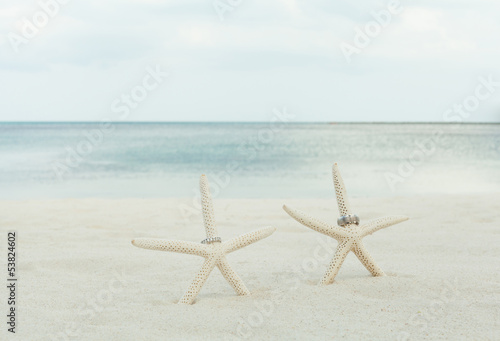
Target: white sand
[[81, 279]]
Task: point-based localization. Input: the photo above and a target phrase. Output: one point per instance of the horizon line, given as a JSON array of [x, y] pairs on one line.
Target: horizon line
[[247, 122]]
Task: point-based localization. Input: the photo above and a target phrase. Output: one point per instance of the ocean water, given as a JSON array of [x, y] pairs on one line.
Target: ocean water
[[254, 160]]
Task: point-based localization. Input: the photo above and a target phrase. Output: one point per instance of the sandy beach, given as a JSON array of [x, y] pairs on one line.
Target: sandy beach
[[81, 279]]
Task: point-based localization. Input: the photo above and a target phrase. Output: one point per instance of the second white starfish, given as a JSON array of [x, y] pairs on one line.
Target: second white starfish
[[349, 236], [214, 250]]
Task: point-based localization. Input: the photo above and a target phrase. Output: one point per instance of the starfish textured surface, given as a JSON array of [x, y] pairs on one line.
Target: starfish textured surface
[[214, 252], [349, 236]]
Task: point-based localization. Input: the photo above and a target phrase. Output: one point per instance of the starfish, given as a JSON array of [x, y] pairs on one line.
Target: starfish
[[212, 248], [349, 236]]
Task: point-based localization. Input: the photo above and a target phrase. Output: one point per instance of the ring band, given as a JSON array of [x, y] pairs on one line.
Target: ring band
[[348, 219], [211, 240]]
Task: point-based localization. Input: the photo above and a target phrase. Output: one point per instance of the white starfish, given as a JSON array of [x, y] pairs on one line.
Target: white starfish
[[214, 251], [349, 236]]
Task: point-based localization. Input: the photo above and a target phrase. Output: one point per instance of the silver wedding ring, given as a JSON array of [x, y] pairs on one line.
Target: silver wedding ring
[[348, 219], [211, 240]]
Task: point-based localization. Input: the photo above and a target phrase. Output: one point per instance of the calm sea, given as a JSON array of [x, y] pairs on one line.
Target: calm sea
[[54, 160]]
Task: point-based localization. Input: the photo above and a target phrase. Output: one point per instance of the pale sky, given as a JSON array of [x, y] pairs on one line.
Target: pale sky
[[427, 59]]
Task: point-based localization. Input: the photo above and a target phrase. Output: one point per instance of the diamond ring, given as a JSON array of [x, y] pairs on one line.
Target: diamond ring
[[211, 240]]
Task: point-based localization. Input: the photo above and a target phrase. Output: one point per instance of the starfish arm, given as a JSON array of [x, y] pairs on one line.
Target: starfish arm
[[172, 246], [232, 277], [247, 239], [380, 223], [340, 191], [366, 259], [199, 280], [315, 224], [207, 208], [333, 268]]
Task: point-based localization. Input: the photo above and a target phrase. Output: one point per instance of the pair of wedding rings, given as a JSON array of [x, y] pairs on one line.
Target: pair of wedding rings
[[348, 219]]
